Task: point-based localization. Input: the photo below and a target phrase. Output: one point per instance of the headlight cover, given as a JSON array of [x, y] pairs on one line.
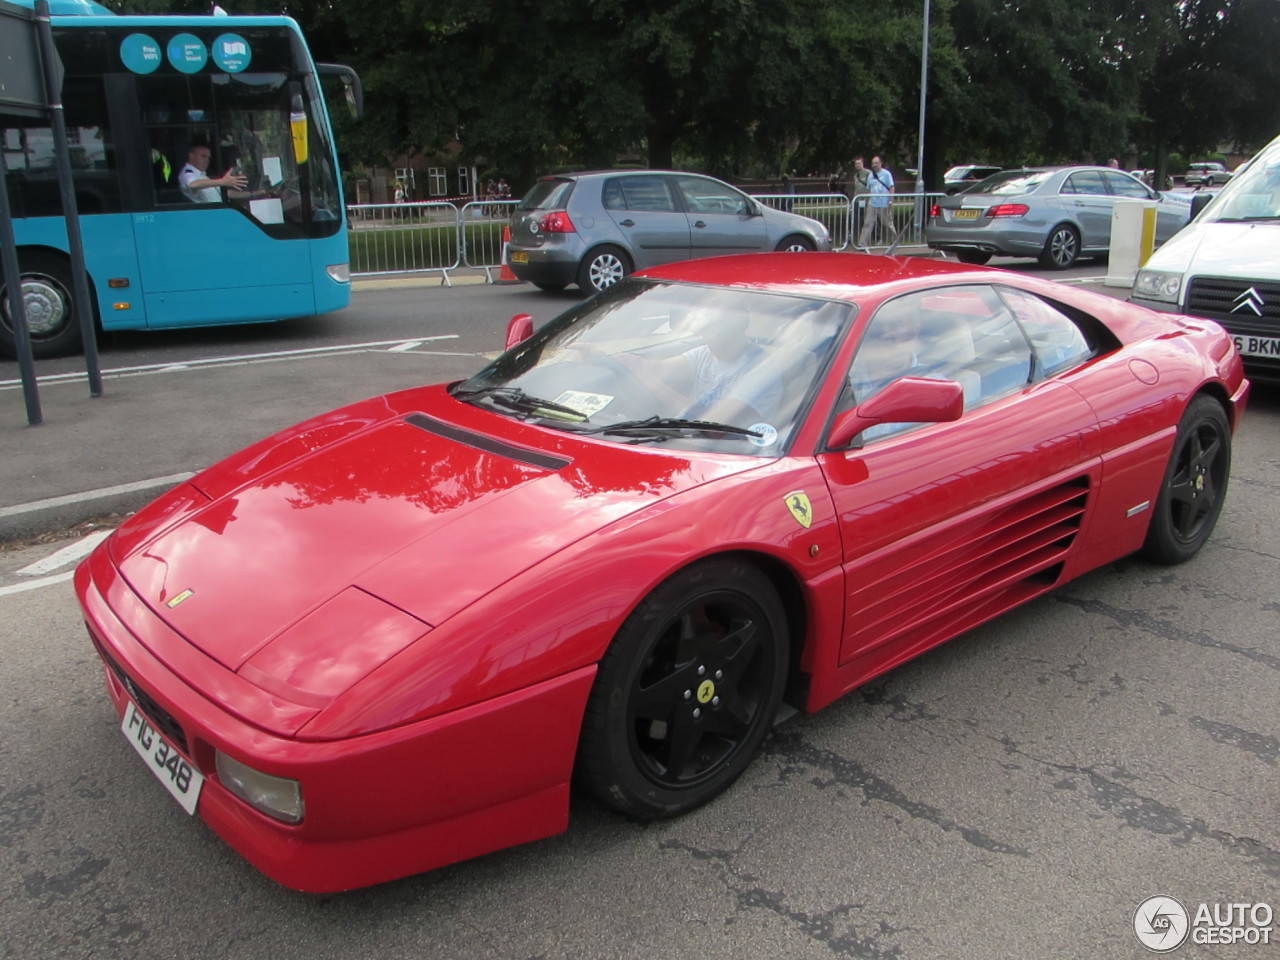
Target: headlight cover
[[1158, 285], [278, 797]]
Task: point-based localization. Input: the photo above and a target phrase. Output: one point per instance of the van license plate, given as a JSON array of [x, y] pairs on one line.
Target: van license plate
[[1258, 346], [519, 256]]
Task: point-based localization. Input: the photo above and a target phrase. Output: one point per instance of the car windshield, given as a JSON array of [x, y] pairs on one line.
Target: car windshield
[[689, 366], [549, 193], [1010, 182], [1254, 193]]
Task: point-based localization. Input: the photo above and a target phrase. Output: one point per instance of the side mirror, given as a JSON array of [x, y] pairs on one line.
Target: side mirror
[[1199, 202], [519, 330], [908, 400]]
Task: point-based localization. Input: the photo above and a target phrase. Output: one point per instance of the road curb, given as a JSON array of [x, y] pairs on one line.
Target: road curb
[[40, 516]]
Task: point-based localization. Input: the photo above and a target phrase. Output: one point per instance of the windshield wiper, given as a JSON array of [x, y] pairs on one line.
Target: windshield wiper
[[513, 398], [660, 426], [1258, 219]]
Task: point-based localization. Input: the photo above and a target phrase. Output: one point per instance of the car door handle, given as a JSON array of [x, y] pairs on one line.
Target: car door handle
[[700, 224], [626, 223]]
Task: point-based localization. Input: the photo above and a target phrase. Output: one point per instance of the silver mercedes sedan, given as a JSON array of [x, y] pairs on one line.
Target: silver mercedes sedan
[[1057, 214]]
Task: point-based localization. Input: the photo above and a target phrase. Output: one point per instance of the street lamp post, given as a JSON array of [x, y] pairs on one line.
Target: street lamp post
[[924, 87]]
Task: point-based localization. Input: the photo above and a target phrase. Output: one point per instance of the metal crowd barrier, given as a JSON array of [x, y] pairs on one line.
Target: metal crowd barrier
[[437, 236], [398, 238]]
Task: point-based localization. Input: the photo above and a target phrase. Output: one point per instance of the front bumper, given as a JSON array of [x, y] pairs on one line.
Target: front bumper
[[378, 807]]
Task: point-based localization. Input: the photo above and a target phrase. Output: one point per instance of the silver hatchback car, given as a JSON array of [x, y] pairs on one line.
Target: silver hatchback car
[[1057, 214], [593, 229]]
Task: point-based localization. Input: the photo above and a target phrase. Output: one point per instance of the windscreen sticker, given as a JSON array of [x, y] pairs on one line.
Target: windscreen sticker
[[231, 52], [140, 53], [587, 404], [187, 53], [768, 434]]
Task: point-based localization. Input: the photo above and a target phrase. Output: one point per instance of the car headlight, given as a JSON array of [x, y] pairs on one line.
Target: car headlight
[[277, 797], [1158, 285], [341, 272]]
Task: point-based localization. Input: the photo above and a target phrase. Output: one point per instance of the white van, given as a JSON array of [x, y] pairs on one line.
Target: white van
[[1225, 264]]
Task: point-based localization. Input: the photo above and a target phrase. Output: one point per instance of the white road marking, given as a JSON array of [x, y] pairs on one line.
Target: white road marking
[[35, 584], [170, 481], [232, 361], [71, 553]]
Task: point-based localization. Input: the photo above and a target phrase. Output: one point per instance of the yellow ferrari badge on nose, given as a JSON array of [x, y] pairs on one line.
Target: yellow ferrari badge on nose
[[798, 503]]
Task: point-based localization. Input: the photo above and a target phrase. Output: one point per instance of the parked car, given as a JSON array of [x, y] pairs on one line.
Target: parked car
[[958, 178], [1057, 214], [390, 638], [1225, 265], [593, 229], [1207, 174]]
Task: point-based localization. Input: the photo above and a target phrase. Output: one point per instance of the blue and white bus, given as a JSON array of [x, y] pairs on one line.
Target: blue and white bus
[[142, 97]]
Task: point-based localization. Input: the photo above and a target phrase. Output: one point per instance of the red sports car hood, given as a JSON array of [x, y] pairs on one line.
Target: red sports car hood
[[329, 563]]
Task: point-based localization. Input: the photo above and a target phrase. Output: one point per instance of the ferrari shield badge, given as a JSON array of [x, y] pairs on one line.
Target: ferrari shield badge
[[798, 503]]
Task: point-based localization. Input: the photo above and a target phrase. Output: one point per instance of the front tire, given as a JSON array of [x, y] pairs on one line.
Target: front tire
[[1194, 485], [601, 268], [796, 244], [53, 320], [1062, 249], [687, 691]]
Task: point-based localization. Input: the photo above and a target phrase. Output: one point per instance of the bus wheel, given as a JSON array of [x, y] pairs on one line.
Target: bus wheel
[[52, 320]]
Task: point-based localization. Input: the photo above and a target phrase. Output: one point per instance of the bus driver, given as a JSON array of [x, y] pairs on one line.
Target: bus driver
[[197, 186]]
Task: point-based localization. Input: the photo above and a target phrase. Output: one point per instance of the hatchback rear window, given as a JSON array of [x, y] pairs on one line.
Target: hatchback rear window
[[550, 193]]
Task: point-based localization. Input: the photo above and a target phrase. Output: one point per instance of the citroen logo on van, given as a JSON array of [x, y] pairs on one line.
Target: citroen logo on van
[[1251, 299]]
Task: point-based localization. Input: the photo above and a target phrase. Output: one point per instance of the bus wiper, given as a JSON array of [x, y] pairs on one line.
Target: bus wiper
[[658, 426], [513, 398]]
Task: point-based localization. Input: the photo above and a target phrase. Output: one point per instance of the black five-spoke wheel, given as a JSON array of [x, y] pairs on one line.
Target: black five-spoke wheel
[[687, 692], [1195, 484]]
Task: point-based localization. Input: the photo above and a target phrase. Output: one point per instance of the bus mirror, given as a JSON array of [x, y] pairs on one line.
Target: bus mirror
[[351, 85]]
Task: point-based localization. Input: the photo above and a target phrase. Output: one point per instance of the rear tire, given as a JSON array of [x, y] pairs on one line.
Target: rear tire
[[53, 320], [1194, 485], [1062, 249], [601, 268]]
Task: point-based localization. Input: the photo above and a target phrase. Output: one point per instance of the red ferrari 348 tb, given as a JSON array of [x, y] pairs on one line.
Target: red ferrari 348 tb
[[391, 637]]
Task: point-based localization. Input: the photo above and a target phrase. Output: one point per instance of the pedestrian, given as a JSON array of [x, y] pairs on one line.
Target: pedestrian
[[1113, 163], [400, 196], [857, 187], [879, 211]]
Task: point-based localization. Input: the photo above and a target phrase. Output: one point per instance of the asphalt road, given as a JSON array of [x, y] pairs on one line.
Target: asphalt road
[[1015, 793]]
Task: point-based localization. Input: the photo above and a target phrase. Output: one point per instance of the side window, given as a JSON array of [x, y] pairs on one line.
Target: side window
[[1087, 182], [708, 196], [966, 334], [1123, 186], [646, 193], [1058, 342], [32, 167]]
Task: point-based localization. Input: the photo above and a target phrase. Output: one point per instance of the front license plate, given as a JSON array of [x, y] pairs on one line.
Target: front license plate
[[1258, 346], [519, 256], [171, 768], [966, 213]]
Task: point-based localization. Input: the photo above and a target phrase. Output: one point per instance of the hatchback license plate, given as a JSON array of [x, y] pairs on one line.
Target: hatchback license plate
[[171, 768], [519, 256], [966, 213], [1257, 346]]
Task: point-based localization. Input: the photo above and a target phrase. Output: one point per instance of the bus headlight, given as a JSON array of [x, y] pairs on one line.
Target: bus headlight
[[341, 272], [277, 797], [1158, 285]]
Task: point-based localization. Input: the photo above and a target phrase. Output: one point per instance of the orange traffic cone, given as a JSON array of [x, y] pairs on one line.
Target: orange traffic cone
[[505, 275]]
